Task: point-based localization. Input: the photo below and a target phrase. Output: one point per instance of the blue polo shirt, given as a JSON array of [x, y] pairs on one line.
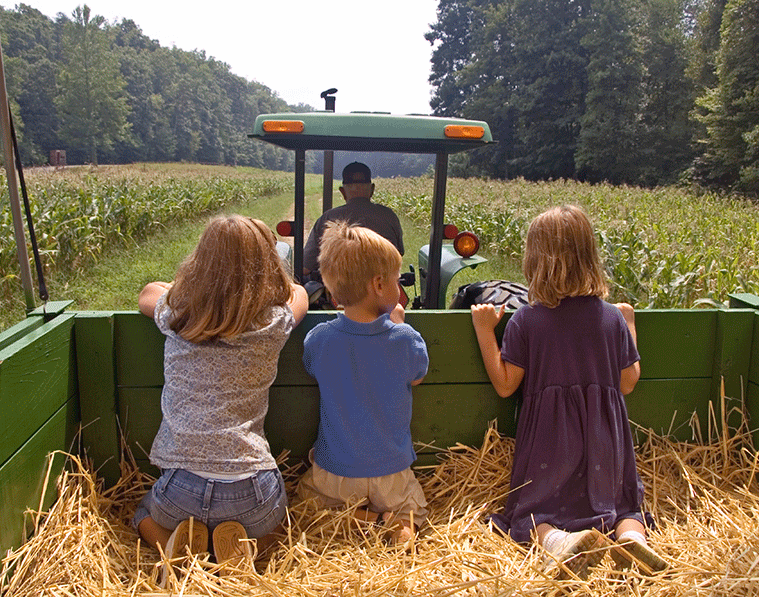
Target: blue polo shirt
[[364, 372]]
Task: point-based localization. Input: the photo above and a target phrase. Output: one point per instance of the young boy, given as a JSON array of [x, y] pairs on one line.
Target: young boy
[[365, 361]]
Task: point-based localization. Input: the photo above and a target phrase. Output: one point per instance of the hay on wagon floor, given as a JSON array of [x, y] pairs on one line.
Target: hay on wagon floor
[[705, 497]]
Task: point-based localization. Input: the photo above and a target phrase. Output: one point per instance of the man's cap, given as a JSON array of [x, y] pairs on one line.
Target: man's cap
[[357, 172]]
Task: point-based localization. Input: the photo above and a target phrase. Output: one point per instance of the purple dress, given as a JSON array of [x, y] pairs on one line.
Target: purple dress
[[574, 462]]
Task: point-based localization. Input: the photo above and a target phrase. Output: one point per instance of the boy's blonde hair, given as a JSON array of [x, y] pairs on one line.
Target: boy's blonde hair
[[561, 257], [228, 284], [350, 256]]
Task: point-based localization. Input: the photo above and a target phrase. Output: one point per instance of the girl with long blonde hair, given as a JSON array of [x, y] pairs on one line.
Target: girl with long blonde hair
[[226, 317]]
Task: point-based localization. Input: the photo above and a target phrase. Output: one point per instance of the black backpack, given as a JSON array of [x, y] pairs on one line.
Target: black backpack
[[494, 292]]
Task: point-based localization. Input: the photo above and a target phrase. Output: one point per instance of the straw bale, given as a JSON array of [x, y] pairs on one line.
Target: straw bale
[[703, 494]]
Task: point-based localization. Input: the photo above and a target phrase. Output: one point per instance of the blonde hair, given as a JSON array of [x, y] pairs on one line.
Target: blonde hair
[[229, 283], [350, 256], [561, 257]]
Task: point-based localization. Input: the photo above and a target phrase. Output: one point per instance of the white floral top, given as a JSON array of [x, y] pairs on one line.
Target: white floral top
[[215, 398]]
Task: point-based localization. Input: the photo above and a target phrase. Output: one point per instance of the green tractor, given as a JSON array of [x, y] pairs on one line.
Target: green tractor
[[328, 131]]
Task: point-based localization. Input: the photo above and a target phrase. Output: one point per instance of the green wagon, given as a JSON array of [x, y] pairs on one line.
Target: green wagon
[[100, 374]]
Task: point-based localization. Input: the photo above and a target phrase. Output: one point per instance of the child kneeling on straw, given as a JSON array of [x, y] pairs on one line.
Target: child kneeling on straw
[[574, 477], [226, 318], [365, 361]]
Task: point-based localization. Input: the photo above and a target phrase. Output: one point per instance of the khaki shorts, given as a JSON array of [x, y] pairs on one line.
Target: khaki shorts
[[399, 493]]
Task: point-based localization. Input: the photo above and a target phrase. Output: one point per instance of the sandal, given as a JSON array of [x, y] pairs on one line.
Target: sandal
[[230, 543], [189, 534]]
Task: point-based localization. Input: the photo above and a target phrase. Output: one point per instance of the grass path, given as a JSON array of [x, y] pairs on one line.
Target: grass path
[[114, 282]]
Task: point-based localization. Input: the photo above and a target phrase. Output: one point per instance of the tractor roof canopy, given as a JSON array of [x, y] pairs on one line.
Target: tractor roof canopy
[[371, 131]]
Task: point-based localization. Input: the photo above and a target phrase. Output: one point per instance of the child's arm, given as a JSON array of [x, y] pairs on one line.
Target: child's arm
[[631, 374], [150, 295], [504, 376], [298, 302]]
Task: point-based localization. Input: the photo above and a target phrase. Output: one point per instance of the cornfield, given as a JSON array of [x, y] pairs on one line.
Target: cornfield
[[77, 211], [662, 248]]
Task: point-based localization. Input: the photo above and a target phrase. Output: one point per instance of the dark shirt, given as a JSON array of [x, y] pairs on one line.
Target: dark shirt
[[360, 211]]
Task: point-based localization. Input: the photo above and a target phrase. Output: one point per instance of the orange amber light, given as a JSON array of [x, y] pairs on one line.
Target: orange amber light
[[466, 244], [463, 131], [283, 126]]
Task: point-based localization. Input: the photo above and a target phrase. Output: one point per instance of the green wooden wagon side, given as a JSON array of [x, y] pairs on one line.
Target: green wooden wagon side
[[103, 372]]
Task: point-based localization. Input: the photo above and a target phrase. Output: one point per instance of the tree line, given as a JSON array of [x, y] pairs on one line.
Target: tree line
[[105, 92], [644, 92]]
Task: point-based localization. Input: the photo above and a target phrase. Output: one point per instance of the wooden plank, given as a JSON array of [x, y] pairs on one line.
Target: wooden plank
[[22, 476], [452, 345], [293, 419], [97, 391], [290, 371], [752, 406], [753, 371], [666, 405], [445, 415], [688, 350], [139, 351], [139, 412], [18, 331], [37, 376], [732, 358], [676, 343], [454, 354], [138, 347]]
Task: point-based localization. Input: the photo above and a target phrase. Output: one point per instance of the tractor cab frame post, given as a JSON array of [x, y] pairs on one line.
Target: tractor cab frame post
[[300, 212], [431, 298], [329, 155]]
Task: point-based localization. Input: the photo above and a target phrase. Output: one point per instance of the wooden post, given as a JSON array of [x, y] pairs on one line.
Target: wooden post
[[10, 171]]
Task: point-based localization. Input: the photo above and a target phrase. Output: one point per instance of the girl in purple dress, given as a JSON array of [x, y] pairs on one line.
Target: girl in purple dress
[[574, 478]]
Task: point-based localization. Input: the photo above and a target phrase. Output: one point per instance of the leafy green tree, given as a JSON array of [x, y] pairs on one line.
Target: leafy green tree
[[606, 147], [549, 82], [666, 129], [732, 107], [92, 105], [29, 47], [519, 65], [450, 37], [704, 43]]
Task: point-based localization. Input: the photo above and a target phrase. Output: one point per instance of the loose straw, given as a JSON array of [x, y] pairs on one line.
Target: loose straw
[[704, 496]]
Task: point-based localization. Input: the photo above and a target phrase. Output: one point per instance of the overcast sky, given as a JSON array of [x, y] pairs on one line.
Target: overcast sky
[[374, 52]]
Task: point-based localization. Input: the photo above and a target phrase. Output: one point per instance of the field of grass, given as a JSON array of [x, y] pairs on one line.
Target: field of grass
[[105, 232]]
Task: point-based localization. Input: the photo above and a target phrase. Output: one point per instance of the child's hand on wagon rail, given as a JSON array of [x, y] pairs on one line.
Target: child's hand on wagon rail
[[485, 317]]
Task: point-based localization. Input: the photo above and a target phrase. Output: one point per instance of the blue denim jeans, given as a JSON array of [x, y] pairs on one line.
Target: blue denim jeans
[[258, 503]]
